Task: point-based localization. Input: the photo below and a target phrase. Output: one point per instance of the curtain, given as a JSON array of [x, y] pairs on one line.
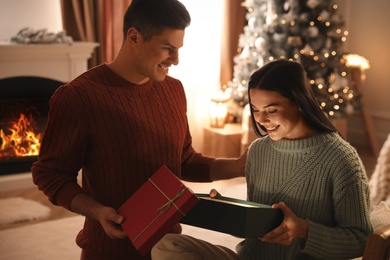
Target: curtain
[[98, 21], [114, 11], [234, 22], [79, 19]]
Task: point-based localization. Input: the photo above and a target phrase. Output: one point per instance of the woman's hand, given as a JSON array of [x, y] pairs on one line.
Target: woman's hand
[[289, 230], [214, 194]]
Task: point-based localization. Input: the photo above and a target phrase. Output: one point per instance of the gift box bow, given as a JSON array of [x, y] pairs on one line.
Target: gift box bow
[[164, 208]]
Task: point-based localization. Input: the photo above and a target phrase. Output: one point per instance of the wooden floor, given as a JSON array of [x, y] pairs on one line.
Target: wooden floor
[[369, 161]]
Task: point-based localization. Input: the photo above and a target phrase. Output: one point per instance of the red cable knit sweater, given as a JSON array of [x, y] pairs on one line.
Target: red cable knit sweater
[[119, 134]]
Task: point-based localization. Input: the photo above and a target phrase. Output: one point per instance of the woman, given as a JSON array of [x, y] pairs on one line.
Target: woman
[[302, 166]]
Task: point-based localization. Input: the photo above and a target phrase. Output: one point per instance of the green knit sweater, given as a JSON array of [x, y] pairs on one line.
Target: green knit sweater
[[321, 179]]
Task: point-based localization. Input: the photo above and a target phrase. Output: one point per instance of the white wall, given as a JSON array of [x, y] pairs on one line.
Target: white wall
[[36, 14]]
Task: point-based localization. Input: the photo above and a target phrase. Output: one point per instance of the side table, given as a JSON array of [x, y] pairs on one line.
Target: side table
[[223, 142]]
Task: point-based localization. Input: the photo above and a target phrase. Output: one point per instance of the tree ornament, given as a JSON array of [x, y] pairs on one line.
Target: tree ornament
[[307, 49], [337, 81], [317, 43], [313, 31], [320, 82], [286, 5], [245, 54], [328, 43], [260, 61], [252, 22], [249, 3], [295, 41], [313, 3], [304, 17], [325, 15], [260, 43]]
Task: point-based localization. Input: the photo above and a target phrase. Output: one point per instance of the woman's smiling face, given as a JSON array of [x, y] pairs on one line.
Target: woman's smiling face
[[276, 113]]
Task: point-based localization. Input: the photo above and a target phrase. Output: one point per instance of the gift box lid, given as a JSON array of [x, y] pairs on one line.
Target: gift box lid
[[237, 217]]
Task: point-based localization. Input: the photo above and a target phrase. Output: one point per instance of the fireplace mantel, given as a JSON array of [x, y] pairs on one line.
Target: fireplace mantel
[[62, 62]]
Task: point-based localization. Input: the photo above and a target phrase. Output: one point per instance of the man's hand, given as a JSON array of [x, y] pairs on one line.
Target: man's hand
[[111, 223], [110, 220], [227, 168]]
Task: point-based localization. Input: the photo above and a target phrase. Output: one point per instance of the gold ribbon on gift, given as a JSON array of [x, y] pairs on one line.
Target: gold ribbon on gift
[[164, 208]]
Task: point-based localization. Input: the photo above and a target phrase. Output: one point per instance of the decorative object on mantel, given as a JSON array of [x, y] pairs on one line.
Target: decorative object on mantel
[[42, 36]]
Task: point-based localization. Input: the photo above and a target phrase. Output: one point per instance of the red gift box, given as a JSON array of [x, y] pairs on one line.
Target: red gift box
[[154, 209]]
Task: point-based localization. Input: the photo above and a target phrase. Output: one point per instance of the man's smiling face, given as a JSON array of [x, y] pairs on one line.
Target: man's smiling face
[[158, 54]]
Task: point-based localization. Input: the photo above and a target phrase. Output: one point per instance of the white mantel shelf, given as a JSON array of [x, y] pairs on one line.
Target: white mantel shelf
[[62, 62]]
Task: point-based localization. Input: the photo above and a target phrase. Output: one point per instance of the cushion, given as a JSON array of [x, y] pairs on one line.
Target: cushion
[[380, 215]]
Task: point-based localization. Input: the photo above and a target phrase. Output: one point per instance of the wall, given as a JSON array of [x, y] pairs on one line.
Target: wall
[[369, 36], [36, 14]]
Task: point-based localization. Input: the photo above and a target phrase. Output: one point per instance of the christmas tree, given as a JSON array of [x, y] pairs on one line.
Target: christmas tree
[[308, 31]]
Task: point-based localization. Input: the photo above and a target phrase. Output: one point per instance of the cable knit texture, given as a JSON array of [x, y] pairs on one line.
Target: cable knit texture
[[119, 134], [321, 179]]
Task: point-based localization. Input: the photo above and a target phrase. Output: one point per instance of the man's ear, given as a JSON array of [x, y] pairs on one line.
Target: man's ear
[[133, 35]]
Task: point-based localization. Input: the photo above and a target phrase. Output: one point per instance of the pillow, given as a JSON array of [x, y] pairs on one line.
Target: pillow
[[380, 215]]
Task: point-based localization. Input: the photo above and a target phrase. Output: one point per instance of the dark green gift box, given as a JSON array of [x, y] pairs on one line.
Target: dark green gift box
[[239, 218]]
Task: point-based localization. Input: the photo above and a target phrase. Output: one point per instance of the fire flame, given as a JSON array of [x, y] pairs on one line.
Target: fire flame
[[22, 141]]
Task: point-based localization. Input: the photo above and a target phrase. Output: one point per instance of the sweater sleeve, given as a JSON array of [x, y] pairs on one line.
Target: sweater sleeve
[[351, 213], [63, 147]]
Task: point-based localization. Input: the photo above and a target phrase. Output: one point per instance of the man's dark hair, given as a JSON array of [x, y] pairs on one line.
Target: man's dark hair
[[150, 17]]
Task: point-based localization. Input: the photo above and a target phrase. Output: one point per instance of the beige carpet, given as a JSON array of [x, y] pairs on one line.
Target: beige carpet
[[44, 241], [17, 209], [56, 239]]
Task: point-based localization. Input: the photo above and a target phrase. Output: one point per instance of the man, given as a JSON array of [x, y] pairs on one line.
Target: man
[[119, 122]]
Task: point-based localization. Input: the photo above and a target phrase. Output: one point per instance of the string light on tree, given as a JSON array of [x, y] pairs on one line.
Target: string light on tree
[[310, 32]]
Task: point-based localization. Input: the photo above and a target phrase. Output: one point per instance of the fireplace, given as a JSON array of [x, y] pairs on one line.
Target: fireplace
[[24, 105], [29, 75]]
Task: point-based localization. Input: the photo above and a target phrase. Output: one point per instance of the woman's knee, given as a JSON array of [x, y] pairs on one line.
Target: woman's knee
[[176, 246]]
